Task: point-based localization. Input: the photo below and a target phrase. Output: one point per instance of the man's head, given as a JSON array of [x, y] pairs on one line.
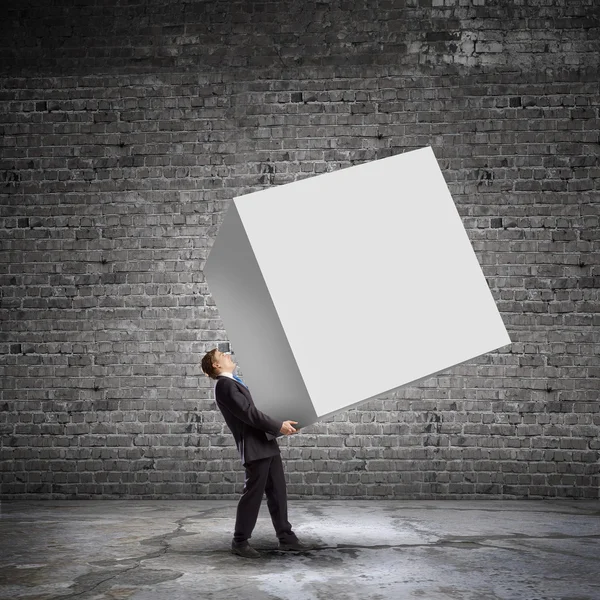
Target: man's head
[[216, 362]]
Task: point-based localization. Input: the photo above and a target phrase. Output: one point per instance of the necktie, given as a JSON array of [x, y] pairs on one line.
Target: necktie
[[238, 379]]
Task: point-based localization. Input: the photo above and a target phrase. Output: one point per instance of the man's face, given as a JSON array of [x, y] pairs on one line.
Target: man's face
[[223, 361]]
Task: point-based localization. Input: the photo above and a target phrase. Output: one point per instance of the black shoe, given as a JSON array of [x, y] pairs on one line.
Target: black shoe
[[297, 546], [245, 550]]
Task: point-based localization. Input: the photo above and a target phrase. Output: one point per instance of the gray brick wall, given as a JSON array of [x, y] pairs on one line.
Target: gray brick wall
[[127, 127]]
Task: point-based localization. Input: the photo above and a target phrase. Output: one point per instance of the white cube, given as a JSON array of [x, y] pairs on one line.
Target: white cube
[[339, 288]]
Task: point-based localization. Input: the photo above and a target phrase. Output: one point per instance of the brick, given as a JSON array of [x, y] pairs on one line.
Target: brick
[[118, 165]]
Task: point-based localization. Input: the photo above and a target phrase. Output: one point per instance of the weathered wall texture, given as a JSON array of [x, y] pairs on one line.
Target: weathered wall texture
[[128, 126]]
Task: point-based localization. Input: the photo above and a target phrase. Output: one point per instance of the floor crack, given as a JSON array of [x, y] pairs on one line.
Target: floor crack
[[85, 591]]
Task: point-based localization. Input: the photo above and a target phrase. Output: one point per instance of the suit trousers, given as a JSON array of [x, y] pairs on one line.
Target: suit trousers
[[263, 476]]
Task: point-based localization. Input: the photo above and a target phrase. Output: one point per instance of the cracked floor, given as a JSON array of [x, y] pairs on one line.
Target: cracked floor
[[379, 549]]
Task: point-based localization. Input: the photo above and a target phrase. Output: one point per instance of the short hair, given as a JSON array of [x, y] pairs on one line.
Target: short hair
[[207, 364]]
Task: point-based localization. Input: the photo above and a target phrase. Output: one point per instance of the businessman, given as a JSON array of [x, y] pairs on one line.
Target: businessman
[[254, 433]]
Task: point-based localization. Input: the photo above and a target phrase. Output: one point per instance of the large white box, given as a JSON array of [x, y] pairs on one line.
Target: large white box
[[347, 285]]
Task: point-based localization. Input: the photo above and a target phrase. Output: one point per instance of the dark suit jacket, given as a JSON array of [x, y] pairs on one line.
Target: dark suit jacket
[[253, 431]]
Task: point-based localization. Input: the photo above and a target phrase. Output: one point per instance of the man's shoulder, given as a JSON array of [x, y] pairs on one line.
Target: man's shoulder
[[224, 382]]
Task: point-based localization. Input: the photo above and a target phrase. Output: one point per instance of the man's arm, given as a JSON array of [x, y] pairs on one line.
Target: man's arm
[[237, 404]]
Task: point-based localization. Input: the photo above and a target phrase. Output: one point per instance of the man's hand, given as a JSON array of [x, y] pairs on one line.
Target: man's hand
[[287, 428]]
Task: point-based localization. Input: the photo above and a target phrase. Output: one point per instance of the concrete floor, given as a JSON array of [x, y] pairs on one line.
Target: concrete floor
[[418, 549]]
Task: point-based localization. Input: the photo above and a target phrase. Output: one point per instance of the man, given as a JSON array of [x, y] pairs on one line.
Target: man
[[254, 433]]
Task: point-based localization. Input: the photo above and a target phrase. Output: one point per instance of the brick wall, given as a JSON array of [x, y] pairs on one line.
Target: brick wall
[[127, 127]]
